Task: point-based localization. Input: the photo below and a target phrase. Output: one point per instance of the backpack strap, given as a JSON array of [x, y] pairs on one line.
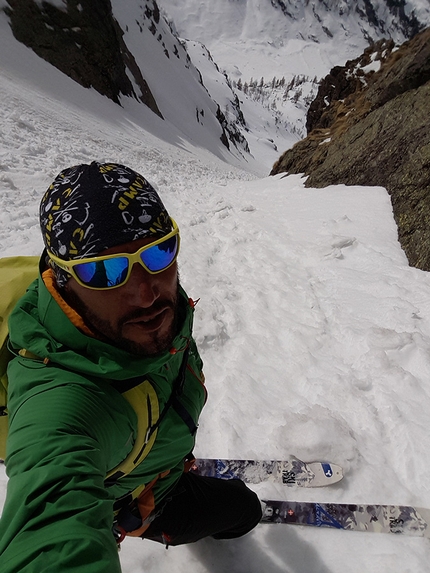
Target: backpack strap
[[178, 388], [144, 400]]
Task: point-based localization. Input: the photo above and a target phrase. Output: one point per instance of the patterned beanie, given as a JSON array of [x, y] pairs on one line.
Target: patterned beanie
[[90, 208]]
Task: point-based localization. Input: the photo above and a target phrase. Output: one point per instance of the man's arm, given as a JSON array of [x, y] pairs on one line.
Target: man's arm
[[57, 514]]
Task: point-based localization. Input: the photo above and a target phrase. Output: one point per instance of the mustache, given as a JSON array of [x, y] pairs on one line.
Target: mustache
[[157, 307]]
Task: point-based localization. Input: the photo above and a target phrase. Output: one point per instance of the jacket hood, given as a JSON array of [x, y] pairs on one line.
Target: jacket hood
[[39, 325]]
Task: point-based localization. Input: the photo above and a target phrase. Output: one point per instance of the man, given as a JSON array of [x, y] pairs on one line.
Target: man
[[107, 387]]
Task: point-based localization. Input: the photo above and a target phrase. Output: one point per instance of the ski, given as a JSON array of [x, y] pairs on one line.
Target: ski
[[290, 472], [399, 519]]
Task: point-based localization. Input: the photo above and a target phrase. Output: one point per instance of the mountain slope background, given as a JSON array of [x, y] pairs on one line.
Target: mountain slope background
[[313, 328], [366, 121], [236, 77], [370, 124], [135, 59], [281, 37], [287, 47]]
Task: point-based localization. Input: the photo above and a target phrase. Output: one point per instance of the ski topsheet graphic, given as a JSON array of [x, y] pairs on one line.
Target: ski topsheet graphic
[[290, 472], [397, 519]]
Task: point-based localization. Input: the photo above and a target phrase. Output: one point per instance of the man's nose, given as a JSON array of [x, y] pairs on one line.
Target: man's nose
[[143, 289]]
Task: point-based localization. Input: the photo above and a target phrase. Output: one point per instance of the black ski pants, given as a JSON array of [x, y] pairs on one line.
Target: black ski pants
[[201, 506]]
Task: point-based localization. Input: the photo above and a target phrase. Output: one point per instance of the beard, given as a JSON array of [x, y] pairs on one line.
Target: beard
[[160, 340]]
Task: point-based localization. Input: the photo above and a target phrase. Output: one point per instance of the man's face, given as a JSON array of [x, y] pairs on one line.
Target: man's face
[[140, 316]]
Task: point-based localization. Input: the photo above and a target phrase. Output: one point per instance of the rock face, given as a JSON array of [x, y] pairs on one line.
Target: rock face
[[82, 40], [370, 125]]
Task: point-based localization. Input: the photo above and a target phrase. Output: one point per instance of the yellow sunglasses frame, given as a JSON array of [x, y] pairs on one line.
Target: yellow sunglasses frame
[[133, 258]]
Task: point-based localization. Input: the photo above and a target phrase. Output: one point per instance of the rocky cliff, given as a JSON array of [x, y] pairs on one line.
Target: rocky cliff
[[84, 41], [369, 125]]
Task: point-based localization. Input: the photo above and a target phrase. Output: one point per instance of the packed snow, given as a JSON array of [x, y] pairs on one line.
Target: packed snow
[[315, 332]]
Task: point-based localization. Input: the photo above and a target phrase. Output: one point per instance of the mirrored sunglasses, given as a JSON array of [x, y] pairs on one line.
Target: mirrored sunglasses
[[112, 271]]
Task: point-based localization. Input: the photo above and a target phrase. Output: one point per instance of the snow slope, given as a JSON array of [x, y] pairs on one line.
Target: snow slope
[[314, 331]]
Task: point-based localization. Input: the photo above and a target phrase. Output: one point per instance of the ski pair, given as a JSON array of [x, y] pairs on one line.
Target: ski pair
[[396, 519]]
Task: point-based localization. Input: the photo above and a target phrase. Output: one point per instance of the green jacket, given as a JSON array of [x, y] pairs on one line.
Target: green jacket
[[69, 427]]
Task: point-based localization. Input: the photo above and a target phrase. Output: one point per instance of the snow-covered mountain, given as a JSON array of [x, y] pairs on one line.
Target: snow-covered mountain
[[254, 38], [284, 47], [133, 57], [241, 82], [175, 81]]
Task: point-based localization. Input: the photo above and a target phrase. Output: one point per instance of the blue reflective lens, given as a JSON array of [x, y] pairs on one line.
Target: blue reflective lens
[[113, 272], [104, 273], [160, 256]]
